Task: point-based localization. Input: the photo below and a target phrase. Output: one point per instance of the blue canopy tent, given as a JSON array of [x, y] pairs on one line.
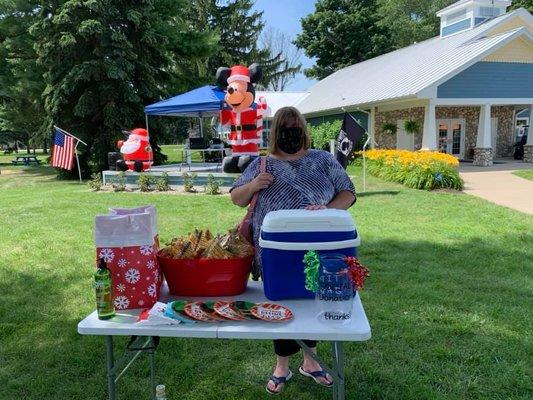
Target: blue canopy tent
[[201, 102]]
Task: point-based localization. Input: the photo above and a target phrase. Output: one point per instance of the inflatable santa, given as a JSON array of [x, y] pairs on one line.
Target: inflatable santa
[[243, 116], [136, 151]]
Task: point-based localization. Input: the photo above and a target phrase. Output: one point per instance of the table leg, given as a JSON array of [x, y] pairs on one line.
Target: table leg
[[151, 355], [338, 357], [110, 362]]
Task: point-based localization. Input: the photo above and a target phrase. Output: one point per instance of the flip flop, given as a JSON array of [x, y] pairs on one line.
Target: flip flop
[[315, 375], [278, 380]]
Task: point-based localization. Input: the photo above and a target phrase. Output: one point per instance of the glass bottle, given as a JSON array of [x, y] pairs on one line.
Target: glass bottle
[[160, 392], [335, 289], [104, 291]]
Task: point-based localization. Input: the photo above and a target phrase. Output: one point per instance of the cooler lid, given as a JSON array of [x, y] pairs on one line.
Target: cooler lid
[[329, 220]]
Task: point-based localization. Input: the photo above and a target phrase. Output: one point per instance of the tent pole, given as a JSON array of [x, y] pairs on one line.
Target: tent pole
[[201, 126], [146, 117]]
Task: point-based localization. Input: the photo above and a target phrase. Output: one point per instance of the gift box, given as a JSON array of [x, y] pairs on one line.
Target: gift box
[[128, 245]]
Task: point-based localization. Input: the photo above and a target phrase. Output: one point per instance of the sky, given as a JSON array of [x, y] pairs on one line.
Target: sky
[[285, 15]]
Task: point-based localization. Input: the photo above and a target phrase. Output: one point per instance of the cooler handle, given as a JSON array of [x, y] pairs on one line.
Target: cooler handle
[[304, 246]]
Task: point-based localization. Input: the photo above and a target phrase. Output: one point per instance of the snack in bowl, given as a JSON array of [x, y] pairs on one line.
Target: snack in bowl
[[202, 244]]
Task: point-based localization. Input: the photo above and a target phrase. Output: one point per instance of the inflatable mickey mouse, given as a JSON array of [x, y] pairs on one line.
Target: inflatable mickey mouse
[[242, 114]]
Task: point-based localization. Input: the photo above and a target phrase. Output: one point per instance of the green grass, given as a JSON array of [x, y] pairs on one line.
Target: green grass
[[448, 298], [525, 173]]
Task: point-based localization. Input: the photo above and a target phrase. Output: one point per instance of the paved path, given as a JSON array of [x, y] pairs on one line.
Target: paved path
[[497, 184]]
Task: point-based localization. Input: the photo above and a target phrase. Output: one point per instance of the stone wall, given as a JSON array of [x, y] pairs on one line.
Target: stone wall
[[528, 153], [471, 116], [388, 141], [505, 140]]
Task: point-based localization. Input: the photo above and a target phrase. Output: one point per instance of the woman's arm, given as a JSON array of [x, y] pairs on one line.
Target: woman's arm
[[242, 195], [343, 200]]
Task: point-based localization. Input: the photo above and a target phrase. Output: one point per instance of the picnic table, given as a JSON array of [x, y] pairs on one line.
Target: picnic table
[[304, 325], [26, 160]]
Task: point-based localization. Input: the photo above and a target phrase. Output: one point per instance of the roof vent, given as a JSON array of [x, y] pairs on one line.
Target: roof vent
[[467, 14]]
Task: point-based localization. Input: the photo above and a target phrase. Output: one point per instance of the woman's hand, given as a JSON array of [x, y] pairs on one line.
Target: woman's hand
[[242, 196], [261, 181], [316, 207]]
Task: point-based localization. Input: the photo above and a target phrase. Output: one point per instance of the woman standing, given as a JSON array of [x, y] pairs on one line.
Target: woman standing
[[296, 177]]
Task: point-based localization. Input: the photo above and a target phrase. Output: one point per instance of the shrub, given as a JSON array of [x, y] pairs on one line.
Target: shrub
[[426, 170], [119, 183], [95, 184], [161, 183], [323, 133], [144, 183], [212, 186], [188, 182]]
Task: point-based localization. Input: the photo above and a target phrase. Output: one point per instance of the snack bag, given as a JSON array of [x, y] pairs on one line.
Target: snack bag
[[126, 243]]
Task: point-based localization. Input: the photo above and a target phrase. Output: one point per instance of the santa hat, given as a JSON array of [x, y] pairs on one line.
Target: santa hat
[[239, 73], [139, 134]]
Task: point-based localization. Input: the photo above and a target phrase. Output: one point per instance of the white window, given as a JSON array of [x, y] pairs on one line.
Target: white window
[[489, 11], [456, 16]]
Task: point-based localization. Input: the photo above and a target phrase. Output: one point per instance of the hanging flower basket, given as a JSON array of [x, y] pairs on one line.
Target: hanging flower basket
[[411, 126], [389, 128]]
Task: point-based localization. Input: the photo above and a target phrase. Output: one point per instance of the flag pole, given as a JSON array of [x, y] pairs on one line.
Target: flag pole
[[77, 159]]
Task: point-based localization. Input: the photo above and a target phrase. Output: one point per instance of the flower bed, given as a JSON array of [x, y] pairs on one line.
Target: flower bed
[[415, 169]]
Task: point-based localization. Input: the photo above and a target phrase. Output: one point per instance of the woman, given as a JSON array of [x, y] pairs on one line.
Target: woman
[[296, 177]]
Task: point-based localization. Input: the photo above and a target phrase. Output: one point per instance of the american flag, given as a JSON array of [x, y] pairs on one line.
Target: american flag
[[63, 151]]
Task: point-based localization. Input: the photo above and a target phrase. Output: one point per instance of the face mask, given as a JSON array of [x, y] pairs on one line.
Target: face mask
[[290, 140]]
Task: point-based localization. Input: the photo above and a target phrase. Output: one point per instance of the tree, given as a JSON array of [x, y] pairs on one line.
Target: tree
[[237, 26], [341, 33], [21, 104], [279, 45], [105, 59], [410, 21], [527, 4]]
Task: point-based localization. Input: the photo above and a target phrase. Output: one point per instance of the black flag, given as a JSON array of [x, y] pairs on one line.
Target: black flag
[[351, 132]]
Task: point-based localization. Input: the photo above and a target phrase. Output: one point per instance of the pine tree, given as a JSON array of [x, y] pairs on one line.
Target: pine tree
[[21, 82], [105, 59], [238, 28]]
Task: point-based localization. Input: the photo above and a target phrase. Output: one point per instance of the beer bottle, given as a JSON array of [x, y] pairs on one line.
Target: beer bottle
[[104, 291]]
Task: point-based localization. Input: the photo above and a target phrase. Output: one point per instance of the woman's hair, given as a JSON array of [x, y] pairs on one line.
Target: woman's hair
[[280, 121]]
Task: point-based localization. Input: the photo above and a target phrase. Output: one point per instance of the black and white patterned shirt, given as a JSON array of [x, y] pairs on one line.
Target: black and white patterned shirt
[[314, 179]]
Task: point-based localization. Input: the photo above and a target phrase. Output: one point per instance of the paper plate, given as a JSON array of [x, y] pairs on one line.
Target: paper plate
[[226, 309], [198, 311], [271, 312], [176, 310], [244, 308], [209, 308]]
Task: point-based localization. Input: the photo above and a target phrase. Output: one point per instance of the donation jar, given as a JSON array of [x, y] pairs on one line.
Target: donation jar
[[335, 289]]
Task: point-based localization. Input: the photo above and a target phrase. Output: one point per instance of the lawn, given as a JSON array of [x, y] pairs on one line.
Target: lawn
[[448, 298], [525, 173]]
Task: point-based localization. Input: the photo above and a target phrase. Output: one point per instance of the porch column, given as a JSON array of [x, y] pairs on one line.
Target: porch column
[[429, 135], [528, 147], [483, 149], [372, 127]]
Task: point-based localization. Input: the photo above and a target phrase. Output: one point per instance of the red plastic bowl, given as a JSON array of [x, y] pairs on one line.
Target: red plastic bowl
[[206, 277]]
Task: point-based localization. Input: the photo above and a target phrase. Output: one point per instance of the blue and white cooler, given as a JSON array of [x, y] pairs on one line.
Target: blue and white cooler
[[286, 235]]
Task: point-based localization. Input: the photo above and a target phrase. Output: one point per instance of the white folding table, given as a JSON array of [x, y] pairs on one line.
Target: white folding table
[[303, 326]]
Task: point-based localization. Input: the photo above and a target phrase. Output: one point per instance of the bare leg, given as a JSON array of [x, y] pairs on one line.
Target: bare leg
[[310, 365], [282, 369]]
